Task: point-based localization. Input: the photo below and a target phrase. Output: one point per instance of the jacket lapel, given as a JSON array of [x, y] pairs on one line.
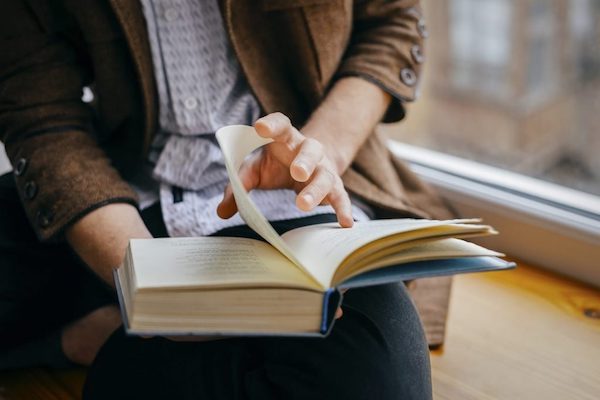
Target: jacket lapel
[[130, 16], [259, 55], [256, 49]]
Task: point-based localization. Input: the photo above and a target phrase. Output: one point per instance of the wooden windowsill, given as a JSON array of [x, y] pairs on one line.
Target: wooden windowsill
[[521, 334]]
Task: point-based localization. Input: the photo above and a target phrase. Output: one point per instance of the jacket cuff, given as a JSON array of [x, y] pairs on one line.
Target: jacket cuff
[[395, 111], [62, 176], [389, 55]]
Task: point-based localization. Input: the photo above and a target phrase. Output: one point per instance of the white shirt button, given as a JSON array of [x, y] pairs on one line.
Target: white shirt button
[[171, 14], [190, 103], [87, 95]]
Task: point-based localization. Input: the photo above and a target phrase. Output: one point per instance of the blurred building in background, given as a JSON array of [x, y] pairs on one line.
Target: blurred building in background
[[514, 84]]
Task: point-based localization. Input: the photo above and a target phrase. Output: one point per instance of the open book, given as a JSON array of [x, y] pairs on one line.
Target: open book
[[288, 284]]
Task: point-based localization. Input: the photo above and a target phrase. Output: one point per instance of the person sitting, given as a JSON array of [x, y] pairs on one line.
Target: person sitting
[[140, 160]]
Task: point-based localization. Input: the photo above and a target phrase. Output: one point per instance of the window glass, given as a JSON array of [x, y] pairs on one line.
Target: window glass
[[514, 84], [480, 45]]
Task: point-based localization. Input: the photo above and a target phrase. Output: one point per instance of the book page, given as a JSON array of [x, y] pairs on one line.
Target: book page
[[390, 244], [211, 262], [438, 249], [323, 247], [237, 142]]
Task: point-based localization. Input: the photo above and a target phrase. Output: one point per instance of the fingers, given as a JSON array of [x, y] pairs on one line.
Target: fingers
[[290, 147], [322, 183], [278, 127], [249, 176], [309, 156], [325, 185], [227, 207], [340, 201], [339, 312], [307, 163]]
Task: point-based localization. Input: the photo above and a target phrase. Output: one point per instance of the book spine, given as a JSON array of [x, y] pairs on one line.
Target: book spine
[[332, 299]]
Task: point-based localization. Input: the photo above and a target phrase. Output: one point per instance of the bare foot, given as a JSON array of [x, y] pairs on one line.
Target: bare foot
[[82, 340]]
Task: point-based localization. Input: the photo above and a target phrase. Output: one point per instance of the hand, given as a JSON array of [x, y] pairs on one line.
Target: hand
[[291, 161], [339, 312]]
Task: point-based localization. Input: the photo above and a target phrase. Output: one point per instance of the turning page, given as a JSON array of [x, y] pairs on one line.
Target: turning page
[[237, 142]]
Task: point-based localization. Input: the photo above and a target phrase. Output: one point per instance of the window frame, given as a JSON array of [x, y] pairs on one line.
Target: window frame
[[541, 223]]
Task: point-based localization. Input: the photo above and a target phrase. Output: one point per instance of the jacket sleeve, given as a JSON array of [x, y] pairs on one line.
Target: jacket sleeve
[[60, 171], [386, 48]]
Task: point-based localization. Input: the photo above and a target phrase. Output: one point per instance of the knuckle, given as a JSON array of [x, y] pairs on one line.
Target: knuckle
[[298, 137], [284, 119], [321, 186], [319, 146], [318, 189], [339, 194], [330, 176], [333, 200], [307, 156], [335, 195], [315, 146]]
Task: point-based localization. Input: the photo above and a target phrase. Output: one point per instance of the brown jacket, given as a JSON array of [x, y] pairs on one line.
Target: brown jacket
[[71, 157]]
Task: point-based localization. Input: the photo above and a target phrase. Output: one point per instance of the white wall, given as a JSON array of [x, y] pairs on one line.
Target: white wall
[[4, 164]]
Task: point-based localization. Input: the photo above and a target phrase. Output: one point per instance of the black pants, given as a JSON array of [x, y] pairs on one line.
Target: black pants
[[377, 350]]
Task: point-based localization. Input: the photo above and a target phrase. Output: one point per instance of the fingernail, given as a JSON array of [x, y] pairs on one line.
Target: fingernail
[[346, 221], [302, 166], [266, 123], [309, 199]]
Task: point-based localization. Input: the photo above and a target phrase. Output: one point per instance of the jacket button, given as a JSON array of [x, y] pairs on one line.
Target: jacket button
[[408, 76], [44, 218], [20, 167], [30, 190], [417, 54], [422, 29]]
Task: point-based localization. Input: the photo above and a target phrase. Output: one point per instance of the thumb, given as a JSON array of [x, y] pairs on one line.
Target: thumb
[[227, 207], [249, 177]]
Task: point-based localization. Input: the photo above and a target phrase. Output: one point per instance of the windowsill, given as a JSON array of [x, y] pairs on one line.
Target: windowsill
[[539, 222], [507, 325]]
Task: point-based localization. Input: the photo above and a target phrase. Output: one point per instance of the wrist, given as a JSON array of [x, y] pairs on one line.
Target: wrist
[[340, 156], [346, 118], [101, 237], [337, 153]]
